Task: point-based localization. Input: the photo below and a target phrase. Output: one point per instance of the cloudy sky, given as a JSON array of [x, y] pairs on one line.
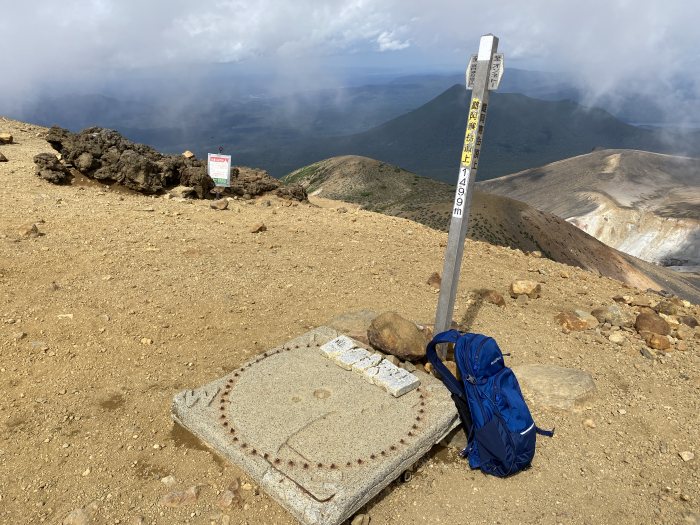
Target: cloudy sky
[[646, 44]]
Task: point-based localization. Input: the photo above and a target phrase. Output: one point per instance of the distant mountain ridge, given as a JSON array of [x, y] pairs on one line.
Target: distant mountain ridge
[[389, 121], [645, 204], [384, 188]]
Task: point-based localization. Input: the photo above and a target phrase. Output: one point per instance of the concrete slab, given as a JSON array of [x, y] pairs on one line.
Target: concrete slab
[[321, 440]]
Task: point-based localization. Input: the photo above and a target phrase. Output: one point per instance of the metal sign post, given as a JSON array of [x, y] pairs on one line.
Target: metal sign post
[[483, 75]]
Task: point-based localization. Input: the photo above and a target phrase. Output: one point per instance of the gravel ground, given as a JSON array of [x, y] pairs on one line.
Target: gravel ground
[[124, 300]]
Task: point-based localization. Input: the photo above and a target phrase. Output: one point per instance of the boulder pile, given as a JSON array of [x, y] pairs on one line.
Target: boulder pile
[[104, 155], [664, 326]]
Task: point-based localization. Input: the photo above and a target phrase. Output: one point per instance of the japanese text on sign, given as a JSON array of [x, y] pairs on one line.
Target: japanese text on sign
[[472, 129], [219, 169], [471, 71]]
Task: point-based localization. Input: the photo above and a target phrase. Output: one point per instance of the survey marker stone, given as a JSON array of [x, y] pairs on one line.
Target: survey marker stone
[[319, 439]]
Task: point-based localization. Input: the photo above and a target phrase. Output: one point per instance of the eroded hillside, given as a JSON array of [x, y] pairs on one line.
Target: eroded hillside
[[644, 204], [495, 219]]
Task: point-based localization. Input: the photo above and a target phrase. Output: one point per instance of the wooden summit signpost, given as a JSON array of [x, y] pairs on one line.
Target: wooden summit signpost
[[483, 75]]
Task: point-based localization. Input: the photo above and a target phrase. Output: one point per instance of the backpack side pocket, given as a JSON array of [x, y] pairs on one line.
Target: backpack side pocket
[[495, 446]]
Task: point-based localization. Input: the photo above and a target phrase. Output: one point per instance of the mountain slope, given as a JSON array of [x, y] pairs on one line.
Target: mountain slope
[[644, 204], [521, 132], [495, 219]]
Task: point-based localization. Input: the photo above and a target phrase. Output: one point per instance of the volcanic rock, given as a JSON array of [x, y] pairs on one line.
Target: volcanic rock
[[260, 227], [640, 301], [195, 176], [220, 204], [658, 342], [3, 158], [576, 320], [612, 314], [493, 297], [180, 498], [684, 332], [435, 280], [6, 138], [251, 181], [667, 308], [689, 320], [648, 321], [360, 519], [49, 168], [392, 334], [524, 287], [105, 155], [29, 231], [85, 162], [294, 192], [188, 154], [182, 192], [617, 338]]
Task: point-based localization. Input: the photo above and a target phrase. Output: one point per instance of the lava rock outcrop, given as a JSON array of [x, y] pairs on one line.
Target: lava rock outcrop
[[106, 156]]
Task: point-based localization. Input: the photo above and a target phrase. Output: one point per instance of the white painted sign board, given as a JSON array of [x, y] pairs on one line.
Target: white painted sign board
[[471, 71], [496, 71], [219, 169]]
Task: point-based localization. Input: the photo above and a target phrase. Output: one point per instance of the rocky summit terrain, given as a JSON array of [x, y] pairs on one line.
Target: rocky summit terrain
[[112, 302], [644, 204], [382, 187], [105, 156]]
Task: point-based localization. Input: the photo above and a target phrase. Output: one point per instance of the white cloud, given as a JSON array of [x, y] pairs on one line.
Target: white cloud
[[608, 44], [387, 42]]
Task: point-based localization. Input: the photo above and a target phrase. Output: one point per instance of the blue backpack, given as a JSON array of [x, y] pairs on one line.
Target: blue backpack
[[500, 431]]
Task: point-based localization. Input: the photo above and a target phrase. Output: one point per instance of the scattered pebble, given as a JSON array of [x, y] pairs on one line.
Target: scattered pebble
[[360, 519], [434, 280], [227, 498], [686, 455], [617, 338], [76, 517], [219, 204], [29, 231], [168, 481], [180, 498]]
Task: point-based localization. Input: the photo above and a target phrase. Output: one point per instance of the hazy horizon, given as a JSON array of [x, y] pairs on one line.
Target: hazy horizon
[[608, 49]]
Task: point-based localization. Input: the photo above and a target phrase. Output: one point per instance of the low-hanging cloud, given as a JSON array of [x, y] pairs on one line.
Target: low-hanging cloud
[[607, 45]]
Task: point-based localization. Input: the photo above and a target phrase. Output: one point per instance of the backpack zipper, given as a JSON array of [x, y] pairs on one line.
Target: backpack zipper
[[476, 356]]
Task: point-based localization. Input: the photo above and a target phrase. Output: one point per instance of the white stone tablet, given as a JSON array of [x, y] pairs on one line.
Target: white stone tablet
[[347, 358], [337, 345]]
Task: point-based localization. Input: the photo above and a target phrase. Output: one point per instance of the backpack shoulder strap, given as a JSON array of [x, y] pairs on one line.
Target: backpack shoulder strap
[[450, 381], [456, 388]]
